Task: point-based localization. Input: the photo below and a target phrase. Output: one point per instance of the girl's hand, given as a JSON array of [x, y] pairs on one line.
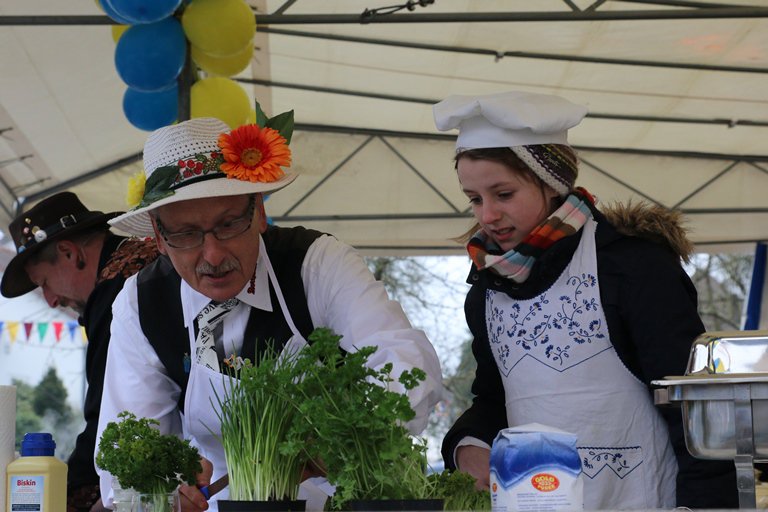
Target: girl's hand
[[477, 462]]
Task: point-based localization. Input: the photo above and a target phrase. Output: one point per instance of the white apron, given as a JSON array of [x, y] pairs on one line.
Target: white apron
[[559, 368], [200, 414]]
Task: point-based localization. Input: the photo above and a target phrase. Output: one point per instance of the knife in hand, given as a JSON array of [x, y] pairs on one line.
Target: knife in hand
[[211, 489]]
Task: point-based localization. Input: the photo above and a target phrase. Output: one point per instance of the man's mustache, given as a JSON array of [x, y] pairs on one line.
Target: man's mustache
[[208, 269]]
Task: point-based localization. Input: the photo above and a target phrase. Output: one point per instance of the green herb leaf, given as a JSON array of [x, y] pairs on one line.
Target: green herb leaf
[[140, 457], [325, 407], [458, 492]]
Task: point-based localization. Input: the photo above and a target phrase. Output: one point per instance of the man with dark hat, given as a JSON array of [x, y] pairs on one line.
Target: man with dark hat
[[70, 253]]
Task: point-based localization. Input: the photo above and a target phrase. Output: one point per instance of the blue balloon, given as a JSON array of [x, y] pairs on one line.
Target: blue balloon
[[144, 11], [151, 110], [109, 11], [150, 57]]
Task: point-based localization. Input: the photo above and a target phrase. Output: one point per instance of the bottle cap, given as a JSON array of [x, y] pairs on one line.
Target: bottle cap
[[38, 443]]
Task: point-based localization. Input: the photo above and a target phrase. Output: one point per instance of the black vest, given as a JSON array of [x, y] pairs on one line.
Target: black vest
[[162, 320]]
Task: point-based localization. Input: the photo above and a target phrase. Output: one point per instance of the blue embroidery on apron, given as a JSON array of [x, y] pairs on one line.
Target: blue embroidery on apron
[[620, 460], [509, 326]]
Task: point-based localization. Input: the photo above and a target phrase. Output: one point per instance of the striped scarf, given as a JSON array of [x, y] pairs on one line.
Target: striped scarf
[[516, 264]]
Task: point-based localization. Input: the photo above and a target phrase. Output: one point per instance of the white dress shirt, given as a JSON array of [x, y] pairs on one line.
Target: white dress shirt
[[341, 294]]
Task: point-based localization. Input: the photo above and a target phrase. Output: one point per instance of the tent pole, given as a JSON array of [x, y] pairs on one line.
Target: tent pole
[[185, 81]]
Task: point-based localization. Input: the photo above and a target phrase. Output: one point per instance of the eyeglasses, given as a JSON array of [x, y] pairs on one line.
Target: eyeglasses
[[224, 231]]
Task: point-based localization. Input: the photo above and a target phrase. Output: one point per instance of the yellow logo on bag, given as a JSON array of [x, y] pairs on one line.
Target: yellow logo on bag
[[545, 482]]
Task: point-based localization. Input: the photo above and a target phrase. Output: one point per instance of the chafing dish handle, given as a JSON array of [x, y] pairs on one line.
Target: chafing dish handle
[[661, 398]]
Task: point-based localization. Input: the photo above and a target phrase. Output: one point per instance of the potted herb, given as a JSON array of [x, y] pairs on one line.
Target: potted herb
[[458, 492], [322, 407], [255, 417], [352, 424], [142, 458]]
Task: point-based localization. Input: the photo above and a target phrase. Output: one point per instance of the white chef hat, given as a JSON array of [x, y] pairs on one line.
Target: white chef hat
[[520, 121], [508, 119]]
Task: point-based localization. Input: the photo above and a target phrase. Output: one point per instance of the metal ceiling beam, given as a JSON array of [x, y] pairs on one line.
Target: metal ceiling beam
[[65, 185], [284, 7], [418, 173], [729, 123], [753, 159], [495, 17], [705, 185], [515, 54], [14, 198], [329, 175], [588, 163], [313, 127], [446, 17], [459, 215], [681, 3]]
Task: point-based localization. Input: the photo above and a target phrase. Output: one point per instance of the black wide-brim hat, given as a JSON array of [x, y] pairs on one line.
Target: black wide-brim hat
[[61, 215]]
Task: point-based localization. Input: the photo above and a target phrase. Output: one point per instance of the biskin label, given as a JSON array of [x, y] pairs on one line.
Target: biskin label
[[27, 493]]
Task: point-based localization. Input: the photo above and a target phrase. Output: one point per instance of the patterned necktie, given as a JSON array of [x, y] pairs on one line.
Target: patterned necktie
[[206, 321]]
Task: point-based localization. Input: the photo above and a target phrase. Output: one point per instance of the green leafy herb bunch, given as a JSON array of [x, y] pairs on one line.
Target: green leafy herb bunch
[[458, 492], [352, 424], [142, 458]]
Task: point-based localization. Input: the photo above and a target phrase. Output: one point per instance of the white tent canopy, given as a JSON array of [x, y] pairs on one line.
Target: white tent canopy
[[677, 92]]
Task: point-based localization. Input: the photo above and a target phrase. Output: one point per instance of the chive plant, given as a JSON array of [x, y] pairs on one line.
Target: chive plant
[[255, 417]]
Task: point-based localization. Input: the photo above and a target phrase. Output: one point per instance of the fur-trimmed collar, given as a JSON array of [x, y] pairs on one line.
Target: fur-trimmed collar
[[652, 222]]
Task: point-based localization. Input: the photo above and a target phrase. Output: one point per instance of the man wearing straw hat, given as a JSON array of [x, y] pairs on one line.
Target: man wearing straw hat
[[203, 201], [69, 252]]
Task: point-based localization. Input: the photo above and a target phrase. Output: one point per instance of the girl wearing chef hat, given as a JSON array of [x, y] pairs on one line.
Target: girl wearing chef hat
[[574, 310]]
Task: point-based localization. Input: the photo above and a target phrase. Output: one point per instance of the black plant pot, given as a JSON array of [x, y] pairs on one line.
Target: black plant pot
[[262, 506], [399, 505]]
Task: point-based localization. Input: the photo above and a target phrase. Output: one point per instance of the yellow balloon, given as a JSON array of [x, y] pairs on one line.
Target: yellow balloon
[[252, 117], [221, 98], [118, 31], [223, 66], [219, 27]]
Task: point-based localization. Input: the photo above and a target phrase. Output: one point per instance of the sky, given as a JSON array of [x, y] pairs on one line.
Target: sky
[[29, 358]]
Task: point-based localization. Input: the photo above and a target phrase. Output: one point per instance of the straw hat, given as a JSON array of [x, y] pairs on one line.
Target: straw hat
[[59, 216], [202, 158]]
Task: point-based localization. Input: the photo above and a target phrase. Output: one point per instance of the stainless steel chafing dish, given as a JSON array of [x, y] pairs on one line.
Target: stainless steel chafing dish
[[724, 399]]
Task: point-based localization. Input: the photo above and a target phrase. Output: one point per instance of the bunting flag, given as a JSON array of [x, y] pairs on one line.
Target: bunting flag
[[42, 328], [13, 331], [72, 326], [64, 334], [57, 327]]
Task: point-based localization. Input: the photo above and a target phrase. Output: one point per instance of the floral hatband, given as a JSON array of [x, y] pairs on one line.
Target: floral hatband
[[248, 153], [165, 180]]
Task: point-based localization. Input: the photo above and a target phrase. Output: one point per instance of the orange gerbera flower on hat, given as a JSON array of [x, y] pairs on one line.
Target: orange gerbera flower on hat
[[256, 154]]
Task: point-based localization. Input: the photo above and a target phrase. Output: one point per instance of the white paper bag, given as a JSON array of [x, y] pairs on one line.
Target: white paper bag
[[535, 468]]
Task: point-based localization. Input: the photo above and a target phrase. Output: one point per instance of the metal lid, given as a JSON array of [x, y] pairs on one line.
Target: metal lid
[[729, 352]]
